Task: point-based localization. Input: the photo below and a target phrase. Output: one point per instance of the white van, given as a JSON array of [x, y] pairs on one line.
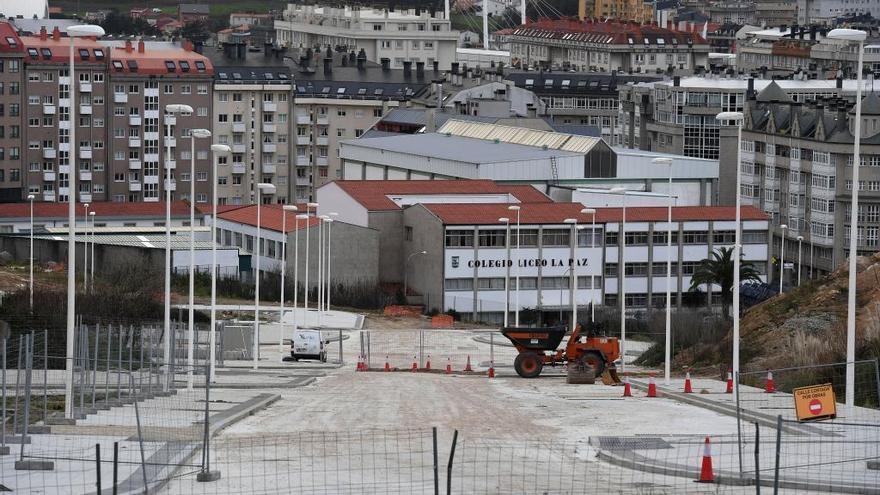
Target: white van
[[308, 344]]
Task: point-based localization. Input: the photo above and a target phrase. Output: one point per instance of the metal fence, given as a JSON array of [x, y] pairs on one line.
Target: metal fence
[[441, 347]]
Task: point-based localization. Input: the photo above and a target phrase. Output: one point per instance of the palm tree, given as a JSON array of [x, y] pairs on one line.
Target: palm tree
[[718, 269]]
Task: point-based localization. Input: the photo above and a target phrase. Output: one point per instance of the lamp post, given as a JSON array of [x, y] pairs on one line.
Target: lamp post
[[800, 240], [405, 272], [573, 277], [92, 255], [858, 36], [191, 331], [506, 222], [284, 210], [31, 257], [218, 150], [736, 117], [516, 208], [172, 109], [309, 206], [262, 187], [668, 337], [296, 266], [323, 219], [811, 256], [782, 228], [332, 218], [592, 211], [86, 248], [81, 30], [621, 286]]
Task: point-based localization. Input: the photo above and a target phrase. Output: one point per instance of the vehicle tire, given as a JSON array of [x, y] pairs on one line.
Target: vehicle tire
[[593, 360], [528, 364]]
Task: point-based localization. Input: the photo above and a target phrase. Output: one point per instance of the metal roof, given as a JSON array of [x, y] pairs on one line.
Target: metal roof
[[151, 241], [520, 135]]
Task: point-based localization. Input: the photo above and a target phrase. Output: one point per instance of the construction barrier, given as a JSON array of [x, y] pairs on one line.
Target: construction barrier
[[405, 311], [442, 321]]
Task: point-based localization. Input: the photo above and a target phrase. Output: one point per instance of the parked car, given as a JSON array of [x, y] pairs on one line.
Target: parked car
[[308, 344]]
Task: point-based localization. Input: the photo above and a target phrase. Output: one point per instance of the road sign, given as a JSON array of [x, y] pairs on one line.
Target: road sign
[[814, 402]]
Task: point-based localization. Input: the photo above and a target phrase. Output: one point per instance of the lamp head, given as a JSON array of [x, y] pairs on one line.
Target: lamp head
[[220, 149], [302, 216], [289, 208], [726, 116], [201, 133], [85, 205], [178, 108], [30, 197], [847, 34], [503, 220], [85, 30], [570, 220], [91, 213], [266, 188], [589, 211], [423, 252], [800, 238], [513, 208], [312, 205], [783, 226]]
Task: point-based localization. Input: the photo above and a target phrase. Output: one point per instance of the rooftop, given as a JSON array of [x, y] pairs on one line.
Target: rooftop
[[787, 85], [556, 213], [534, 138], [374, 194], [605, 33], [102, 209], [574, 83], [271, 218]]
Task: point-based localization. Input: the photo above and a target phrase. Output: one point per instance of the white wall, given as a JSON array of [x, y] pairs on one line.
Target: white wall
[[331, 198]]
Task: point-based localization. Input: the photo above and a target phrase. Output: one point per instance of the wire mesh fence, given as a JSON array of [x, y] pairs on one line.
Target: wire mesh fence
[[433, 350]]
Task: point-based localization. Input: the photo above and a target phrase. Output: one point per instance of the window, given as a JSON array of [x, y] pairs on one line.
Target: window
[[636, 269], [610, 269], [658, 269], [636, 238], [459, 284], [696, 237], [491, 238], [754, 237], [459, 238], [659, 238], [556, 237], [611, 238], [724, 237]]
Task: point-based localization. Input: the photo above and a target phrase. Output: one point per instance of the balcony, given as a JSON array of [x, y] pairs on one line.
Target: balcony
[[134, 120], [269, 147], [303, 140], [268, 168], [64, 169], [269, 106], [238, 128], [170, 120], [268, 127], [49, 176], [85, 197], [321, 161], [170, 141], [85, 87], [322, 141], [48, 109], [170, 185], [134, 164], [120, 97], [151, 179], [304, 119], [151, 91], [49, 196], [323, 120], [303, 161], [303, 181], [238, 148], [151, 114], [238, 168], [171, 164], [134, 142], [151, 157], [134, 186], [49, 153], [85, 109], [85, 152], [85, 175]]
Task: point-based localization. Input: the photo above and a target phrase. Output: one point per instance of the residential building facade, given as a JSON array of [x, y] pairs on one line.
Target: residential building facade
[[11, 102]]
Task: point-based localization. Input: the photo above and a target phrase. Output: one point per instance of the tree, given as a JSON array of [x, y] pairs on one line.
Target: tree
[[118, 23], [718, 269]]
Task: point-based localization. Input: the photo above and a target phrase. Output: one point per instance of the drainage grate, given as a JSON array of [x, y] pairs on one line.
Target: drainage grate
[[632, 443]]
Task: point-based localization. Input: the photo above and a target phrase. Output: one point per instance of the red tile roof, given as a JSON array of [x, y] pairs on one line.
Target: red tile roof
[[59, 48], [270, 217], [373, 194], [556, 213], [101, 209], [152, 60], [589, 30], [9, 40]]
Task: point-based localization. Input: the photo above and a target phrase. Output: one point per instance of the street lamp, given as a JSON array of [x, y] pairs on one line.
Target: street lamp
[[284, 210], [668, 338], [858, 36], [516, 208], [218, 150], [31, 258], [262, 187], [506, 222], [191, 332], [77, 31], [172, 109], [332, 218], [800, 240], [92, 256], [296, 266], [621, 270], [405, 271], [782, 227], [592, 211], [736, 117], [86, 249], [309, 206], [573, 277], [323, 220]]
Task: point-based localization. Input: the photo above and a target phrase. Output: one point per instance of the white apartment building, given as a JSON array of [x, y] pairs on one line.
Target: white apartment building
[[403, 35]]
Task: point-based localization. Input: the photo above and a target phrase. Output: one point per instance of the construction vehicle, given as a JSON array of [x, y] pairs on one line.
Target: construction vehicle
[[538, 347]]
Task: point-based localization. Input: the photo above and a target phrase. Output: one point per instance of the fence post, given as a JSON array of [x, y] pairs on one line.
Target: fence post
[[877, 378], [206, 474], [436, 467], [757, 458], [130, 368], [3, 448], [28, 342], [449, 465], [115, 465], [98, 465], [341, 361], [778, 448], [107, 373], [95, 369], [45, 375], [738, 425], [17, 387], [137, 415]]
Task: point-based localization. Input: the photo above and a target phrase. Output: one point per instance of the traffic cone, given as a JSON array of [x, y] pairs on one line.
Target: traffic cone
[[729, 382], [770, 387], [428, 363], [387, 364], [652, 387], [627, 391], [687, 383], [468, 365], [491, 369], [448, 366], [360, 363], [706, 474], [415, 366]]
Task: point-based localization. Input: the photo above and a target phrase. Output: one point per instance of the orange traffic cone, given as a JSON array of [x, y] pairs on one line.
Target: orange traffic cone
[[687, 383], [448, 366], [415, 366], [652, 387], [387, 364], [729, 382], [428, 363], [770, 387], [706, 474], [627, 391], [360, 364], [491, 369], [468, 366]]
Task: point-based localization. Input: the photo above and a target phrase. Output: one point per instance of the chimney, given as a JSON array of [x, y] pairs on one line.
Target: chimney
[[140, 46], [750, 88], [228, 50], [812, 33], [420, 70], [43, 34], [361, 59], [440, 95], [198, 47], [328, 66], [267, 49], [241, 51], [407, 69], [531, 111], [56, 33], [386, 64], [839, 82], [676, 81], [454, 67], [128, 47], [436, 67]]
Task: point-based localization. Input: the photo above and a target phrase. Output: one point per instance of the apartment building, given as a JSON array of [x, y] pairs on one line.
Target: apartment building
[[11, 95], [606, 46], [624, 10], [402, 35]]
